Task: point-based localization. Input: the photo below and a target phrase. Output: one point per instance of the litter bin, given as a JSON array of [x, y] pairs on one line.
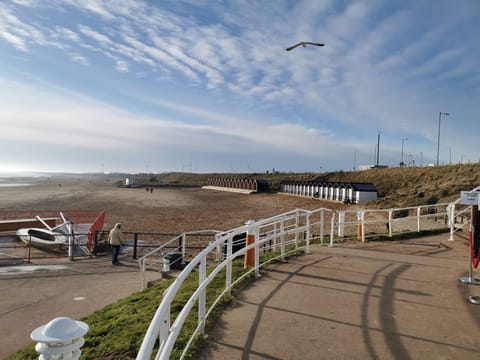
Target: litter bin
[[238, 242], [172, 260]]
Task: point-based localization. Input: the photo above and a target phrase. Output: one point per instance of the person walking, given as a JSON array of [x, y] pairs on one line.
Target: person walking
[[115, 239]]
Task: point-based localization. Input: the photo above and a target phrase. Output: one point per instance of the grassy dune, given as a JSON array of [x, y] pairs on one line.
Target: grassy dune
[[397, 187]]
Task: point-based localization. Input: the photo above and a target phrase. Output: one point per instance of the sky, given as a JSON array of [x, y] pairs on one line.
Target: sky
[[207, 85]]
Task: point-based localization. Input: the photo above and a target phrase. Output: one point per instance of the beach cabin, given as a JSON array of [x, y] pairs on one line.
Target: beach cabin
[[361, 192], [345, 192]]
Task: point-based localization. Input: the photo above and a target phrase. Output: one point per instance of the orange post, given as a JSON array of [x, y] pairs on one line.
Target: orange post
[[249, 259], [359, 231]]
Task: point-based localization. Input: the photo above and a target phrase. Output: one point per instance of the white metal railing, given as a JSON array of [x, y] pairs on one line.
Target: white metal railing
[[156, 256], [295, 229], [282, 230]]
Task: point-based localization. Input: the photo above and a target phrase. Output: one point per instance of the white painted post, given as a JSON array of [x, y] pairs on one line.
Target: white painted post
[[322, 218], [202, 274], [307, 240], [332, 228], [229, 265], [274, 237], [61, 338], [418, 218], [451, 219], [184, 246], [282, 241], [341, 224], [361, 225], [390, 212], [165, 265], [297, 220], [257, 250]]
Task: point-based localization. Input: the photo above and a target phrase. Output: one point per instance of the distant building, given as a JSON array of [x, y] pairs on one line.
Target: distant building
[[129, 182]]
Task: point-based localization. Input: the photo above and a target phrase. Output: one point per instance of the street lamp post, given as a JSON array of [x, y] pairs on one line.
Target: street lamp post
[[355, 159], [378, 149], [438, 141], [401, 161]]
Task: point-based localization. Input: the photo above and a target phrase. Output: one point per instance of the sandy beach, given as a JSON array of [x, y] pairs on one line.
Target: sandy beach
[[167, 210]]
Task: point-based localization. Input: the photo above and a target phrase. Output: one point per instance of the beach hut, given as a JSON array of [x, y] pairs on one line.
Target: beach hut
[[362, 192]]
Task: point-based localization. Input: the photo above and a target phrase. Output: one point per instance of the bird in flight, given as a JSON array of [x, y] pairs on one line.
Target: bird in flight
[[304, 44]]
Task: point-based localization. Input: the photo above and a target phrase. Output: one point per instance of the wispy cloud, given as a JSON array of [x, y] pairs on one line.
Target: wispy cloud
[[389, 67]]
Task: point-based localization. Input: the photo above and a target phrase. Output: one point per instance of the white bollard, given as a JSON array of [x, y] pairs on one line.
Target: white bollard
[[165, 265], [61, 338]]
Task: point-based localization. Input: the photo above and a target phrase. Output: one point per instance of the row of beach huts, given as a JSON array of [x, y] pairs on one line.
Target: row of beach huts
[[345, 192]]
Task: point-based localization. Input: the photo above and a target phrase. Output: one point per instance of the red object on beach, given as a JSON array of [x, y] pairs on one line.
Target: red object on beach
[[97, 225]]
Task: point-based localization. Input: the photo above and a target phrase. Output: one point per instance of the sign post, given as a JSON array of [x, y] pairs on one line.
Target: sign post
[[472, 198]]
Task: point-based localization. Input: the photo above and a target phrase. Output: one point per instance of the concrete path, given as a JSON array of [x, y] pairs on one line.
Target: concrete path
[[34, 294], [380, 300]]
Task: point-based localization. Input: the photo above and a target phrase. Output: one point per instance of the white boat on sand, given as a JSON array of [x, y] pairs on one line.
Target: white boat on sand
[[57, 236]]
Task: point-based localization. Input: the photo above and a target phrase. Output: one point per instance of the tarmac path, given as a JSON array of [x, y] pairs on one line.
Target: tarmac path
[[378, 300], [34, 294]]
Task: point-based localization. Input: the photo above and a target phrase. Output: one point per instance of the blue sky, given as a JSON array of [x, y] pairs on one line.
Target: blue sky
[[207, 86]]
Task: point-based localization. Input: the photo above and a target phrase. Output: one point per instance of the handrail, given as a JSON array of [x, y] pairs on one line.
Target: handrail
[[161, 319], [285, 228], [142, 260]]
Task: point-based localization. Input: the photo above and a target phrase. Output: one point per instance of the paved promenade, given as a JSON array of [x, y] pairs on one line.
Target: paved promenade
[[34, 294], [382, 300], [379, 300]]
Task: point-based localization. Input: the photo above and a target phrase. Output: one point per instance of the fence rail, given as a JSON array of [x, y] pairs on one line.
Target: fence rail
[[284, 233]]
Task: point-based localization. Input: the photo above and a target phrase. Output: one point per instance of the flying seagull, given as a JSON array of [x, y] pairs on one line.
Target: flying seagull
[[304, 44]]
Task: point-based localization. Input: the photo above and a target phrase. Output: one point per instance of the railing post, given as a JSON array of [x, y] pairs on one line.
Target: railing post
[[202, 274], [183, 246], [142, 273], [297, 220], [274, 237], [362, 219], [257, 251], [341, 224], [390, 213], [322, 220], [307, 240], [451, 219], [418, 218], [135, 245], [219, 252], [229, 265], [250, 254], [29, 249], [332, 228], [282, 241]]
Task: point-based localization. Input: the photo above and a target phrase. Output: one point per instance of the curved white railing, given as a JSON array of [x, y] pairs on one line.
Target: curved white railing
[[295, 229], [281, 230]]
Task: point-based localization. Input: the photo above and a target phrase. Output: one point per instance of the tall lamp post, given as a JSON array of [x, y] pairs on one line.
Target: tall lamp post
[[438, 141], [401, 161], [378, 149], [355, 159]]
